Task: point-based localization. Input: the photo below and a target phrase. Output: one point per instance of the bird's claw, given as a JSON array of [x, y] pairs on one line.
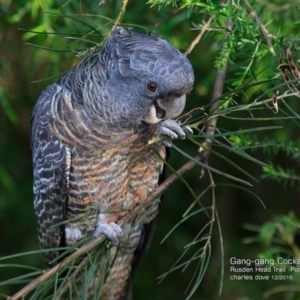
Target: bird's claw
[[112, 231], [188, 130], [172, 130]]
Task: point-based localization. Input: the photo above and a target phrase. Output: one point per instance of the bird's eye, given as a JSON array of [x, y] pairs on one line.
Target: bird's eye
[[151, 87]]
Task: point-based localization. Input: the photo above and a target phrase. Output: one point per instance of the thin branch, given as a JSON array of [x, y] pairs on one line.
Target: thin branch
[[72, 277], [266, 35], [121, 14], [172, 14], [47, 274], [198, 37], [212, 122]]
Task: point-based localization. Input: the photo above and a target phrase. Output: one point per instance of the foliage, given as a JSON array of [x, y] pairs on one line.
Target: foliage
[[249, 121], [278, 239]]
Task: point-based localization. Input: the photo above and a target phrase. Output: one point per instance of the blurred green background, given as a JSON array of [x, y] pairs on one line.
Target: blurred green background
[[24, 72]]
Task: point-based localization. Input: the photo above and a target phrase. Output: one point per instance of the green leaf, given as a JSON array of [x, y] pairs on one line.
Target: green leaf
[[267, 233]]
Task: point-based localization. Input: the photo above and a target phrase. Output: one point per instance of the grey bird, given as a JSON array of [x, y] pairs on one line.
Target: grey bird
[[91, 157]]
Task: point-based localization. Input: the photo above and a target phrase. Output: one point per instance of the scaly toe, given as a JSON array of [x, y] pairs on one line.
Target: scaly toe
[[112, 231]]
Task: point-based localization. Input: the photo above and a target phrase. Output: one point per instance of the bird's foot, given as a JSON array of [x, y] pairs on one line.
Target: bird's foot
[[112, 231], [172, 130]]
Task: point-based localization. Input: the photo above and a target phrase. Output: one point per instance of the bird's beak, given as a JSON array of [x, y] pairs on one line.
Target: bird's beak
[[164, 109]]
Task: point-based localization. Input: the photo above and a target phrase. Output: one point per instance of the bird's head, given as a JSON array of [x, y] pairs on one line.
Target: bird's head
[[147, 80]]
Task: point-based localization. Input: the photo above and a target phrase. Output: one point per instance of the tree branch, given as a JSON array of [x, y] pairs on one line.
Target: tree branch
[[172, 14], [212, 122], [198, 37], [266, 35], [121, 14]]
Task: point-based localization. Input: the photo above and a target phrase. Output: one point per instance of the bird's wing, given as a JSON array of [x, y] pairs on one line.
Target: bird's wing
[[50, 163]]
